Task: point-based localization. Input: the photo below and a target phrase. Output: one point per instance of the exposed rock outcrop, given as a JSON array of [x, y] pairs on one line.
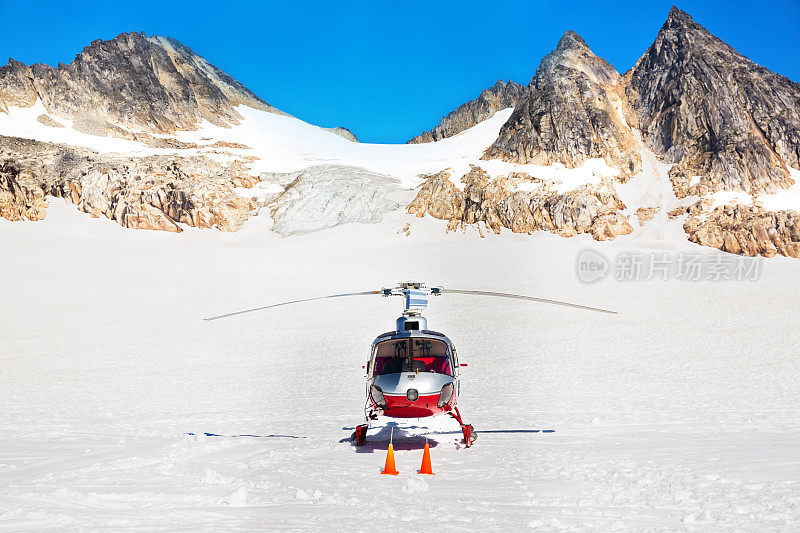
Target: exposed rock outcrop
[[47, 120], [21, 194], [498, 204], [343, 132], [646, 213], [16, 86], [713, 112], [147, 193], [747, 230], [151, 84], [574, 109], [501, 95]]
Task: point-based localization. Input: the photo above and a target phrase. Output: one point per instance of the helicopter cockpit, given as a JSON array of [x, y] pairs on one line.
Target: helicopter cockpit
[[412, 355]]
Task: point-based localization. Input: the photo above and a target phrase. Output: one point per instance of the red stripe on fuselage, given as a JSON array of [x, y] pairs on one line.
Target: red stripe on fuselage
[[402, 407]]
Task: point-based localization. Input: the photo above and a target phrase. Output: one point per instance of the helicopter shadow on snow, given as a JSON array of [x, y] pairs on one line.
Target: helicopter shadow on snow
[[485, 431], [403, 439], [272, 436]]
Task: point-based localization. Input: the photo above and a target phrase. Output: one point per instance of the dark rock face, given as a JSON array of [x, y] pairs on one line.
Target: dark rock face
[[16, 86], [574, 109], [500, 96], [153, 84], [716, 114]]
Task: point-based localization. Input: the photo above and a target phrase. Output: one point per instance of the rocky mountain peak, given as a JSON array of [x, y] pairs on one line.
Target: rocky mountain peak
[[681, 30], [124, 42], [571, 40], [574, 109], [153, 84], [678, 17], [499, 96], [573, 54], [498, 87], [713, 112]]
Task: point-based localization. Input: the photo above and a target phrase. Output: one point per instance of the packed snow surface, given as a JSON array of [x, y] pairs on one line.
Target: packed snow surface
[[785, 199], [680, 413], [22, 122], [121, 409]]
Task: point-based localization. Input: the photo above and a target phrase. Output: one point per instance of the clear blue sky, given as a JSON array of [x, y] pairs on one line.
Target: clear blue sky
[[388, 70]]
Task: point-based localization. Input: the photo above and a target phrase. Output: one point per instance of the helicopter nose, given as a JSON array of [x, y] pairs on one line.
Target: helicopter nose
[[412, 395]]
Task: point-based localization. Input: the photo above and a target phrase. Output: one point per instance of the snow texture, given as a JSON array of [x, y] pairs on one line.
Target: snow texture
[[324, 196], [786, 199], [680, 413]]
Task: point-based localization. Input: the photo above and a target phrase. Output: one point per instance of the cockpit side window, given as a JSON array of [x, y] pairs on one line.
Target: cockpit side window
[[412, 355]]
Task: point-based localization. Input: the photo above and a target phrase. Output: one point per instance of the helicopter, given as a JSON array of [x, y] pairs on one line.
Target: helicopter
[[413, 372]]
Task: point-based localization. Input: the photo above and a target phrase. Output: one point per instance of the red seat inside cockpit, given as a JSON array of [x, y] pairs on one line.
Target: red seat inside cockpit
[[439, 364], [393, 365]]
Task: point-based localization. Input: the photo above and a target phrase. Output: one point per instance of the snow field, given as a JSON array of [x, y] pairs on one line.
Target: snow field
[[679, 413]]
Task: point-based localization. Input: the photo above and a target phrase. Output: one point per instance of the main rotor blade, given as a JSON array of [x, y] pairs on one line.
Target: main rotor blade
[[293, 302], [528, 298]]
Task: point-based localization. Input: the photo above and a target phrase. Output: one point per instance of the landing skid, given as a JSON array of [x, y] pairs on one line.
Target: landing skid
[[467, 429], [359, 436]]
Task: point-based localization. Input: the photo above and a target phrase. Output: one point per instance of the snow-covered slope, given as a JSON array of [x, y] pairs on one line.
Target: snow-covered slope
[[282, 143], [286, 144], [680, 413], [308, 177], [23, 122]]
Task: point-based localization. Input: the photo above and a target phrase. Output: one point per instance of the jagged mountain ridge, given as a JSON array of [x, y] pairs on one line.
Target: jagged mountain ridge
[[724, 122], [739, 133], [573, 109], [154, 84], [502, 95], [576, 108]]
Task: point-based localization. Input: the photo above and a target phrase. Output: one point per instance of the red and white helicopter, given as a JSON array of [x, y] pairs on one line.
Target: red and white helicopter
[[414, 372]]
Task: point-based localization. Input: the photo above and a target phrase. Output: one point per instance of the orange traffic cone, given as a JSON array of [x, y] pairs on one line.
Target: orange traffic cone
[[389, 468], [426, 460]]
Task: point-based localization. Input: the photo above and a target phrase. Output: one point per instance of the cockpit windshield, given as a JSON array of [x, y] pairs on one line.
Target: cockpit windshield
[[412, 355]]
